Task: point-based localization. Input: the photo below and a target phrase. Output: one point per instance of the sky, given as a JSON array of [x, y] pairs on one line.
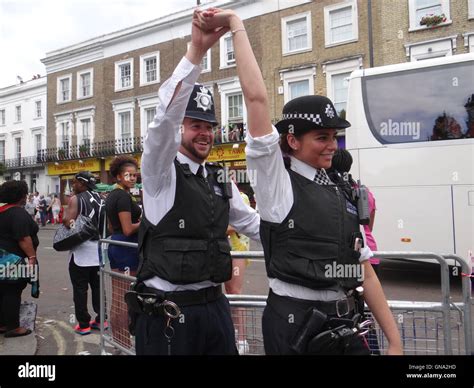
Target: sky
[[31, 28]]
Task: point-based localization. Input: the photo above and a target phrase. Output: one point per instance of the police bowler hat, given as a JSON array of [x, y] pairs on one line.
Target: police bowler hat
[[201, 105], [303, 114]]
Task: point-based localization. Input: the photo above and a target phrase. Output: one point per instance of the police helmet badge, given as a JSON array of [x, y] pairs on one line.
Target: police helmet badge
[[329, 111], [203, 99]]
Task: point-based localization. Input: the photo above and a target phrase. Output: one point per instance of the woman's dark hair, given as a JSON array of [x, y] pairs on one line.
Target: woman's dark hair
[[119, 163], [13, 191], [285, 147]]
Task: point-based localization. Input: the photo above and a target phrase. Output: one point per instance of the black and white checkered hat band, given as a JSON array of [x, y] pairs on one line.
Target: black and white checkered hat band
[[315, 118]]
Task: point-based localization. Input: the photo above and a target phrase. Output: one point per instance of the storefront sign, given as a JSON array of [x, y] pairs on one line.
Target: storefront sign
[[73, 167], [227, 152]]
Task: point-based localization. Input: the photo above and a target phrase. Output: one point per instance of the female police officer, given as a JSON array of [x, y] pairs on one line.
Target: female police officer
[[309, 230]]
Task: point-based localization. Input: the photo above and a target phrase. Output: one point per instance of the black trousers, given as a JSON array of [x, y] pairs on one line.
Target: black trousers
[[204, 329], [10, 300], [279, 328], [81, 278]]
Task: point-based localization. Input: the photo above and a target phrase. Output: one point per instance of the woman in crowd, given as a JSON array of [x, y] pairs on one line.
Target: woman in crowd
[[18, 244], [124, 215]]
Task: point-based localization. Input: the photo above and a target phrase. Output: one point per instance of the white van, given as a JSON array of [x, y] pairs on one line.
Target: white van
[[412, 140]]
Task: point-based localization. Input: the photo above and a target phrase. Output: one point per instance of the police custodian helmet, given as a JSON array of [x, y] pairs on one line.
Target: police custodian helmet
[[303, 114], [201, 105]]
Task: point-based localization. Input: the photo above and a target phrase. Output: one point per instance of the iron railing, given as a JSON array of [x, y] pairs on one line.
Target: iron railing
[[96, 150]]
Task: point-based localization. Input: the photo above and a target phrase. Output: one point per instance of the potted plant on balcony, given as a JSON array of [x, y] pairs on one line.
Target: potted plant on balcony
[[61, 153], [83, 150], [432, 20]]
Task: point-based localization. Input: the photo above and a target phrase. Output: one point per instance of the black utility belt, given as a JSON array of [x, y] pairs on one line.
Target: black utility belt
[[186, 298], [338, 308], [147, 300]]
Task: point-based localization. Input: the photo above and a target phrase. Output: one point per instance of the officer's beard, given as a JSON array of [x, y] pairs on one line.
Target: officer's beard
[[194, 153]]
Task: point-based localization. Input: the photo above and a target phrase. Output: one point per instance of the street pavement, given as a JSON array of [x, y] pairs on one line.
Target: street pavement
[[54, 333]]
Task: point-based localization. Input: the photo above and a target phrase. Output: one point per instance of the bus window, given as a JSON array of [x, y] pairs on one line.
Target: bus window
[[421, 105]]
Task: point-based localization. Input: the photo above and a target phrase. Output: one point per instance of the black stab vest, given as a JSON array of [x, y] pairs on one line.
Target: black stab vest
[[190, 244], [318, 232]]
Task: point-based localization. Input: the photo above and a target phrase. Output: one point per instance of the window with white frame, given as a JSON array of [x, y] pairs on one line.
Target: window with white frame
[[148, 106], [124, 75], [18, 147], [64, 93], [125, 125], [233, 111], [235, 115], [298, 89], [340, 85], [235, 108], [227, 51], [38, 143], [149, 115], [427, 8], [2, 116], [85, 83], [470, 7], [17, 113], [298, 83], [63, 136], [38, 112], [86, 132], [431, 49], [2, 151], [337, 81], [150, 68], [340, 23], [124, 119], [296, 33]]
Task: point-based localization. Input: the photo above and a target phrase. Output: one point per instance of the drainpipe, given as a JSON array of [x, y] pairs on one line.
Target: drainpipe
[[371, 42]]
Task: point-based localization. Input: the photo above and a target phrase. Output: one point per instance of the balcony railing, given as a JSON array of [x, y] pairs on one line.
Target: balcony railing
[[95, 150], [18, 163], [100, 149]]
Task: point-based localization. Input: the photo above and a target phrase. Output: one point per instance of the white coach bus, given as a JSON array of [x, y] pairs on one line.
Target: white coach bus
[[412, 140]]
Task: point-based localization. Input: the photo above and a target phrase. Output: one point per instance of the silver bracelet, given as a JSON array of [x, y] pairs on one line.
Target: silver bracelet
[[237, 30]]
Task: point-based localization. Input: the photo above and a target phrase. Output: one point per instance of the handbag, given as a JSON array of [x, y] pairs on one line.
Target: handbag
[[82, 230], [8, 262]]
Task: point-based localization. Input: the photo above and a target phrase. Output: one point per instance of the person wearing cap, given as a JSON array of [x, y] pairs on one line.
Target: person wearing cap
[[307, 225], [84, 259], [188, 204]]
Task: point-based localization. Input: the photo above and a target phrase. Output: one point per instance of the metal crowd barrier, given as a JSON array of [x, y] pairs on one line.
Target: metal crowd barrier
[[426, 328]]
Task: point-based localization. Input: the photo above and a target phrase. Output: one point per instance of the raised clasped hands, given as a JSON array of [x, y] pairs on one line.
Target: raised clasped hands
[[206, 31], [214, 18]]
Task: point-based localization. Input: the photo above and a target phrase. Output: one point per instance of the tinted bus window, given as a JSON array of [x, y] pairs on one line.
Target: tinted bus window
[[425, 104]]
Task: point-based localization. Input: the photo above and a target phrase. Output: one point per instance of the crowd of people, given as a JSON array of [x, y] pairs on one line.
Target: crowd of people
[[44, 209]]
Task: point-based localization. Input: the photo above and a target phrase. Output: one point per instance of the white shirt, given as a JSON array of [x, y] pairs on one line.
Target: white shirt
[[158, 172], [86, 254], [275, 200]]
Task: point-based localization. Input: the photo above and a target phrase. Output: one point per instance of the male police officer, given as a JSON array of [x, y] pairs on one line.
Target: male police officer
[[184, 251]]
